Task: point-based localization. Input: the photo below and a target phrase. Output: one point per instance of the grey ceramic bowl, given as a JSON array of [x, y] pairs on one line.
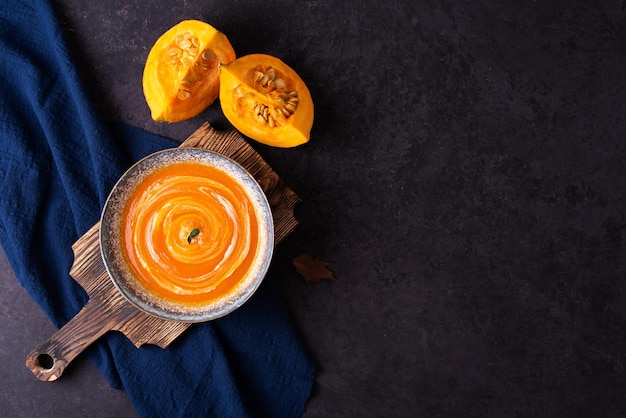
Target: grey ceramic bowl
[[111, 243]]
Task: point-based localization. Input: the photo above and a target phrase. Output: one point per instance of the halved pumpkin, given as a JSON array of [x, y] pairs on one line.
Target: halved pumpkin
[[266, 100], [181, 75]]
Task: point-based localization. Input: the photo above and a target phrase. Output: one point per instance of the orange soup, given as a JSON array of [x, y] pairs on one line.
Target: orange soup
[[189, 233]]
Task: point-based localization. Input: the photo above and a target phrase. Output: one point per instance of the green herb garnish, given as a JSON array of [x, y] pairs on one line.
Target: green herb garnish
[[194, 233]]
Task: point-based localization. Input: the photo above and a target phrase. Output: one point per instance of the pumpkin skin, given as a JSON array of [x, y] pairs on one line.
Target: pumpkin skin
[[181, 75], [266, 100]]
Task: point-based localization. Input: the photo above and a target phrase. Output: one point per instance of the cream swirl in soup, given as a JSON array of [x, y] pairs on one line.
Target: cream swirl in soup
[[190, 233]]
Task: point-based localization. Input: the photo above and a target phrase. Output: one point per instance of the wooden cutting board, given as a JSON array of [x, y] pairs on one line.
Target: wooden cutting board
[[107, 309]]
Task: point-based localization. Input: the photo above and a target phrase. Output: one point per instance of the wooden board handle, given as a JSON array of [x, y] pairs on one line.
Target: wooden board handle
[[48, 361]]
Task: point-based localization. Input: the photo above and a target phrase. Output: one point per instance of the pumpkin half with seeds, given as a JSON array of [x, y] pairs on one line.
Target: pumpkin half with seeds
[[181, 75], [266, 100]]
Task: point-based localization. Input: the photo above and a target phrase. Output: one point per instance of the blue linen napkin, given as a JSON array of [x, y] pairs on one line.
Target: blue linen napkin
[[58, 162]]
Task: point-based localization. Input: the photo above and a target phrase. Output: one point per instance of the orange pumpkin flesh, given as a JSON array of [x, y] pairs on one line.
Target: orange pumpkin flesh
[[266, 100], [181, 75]]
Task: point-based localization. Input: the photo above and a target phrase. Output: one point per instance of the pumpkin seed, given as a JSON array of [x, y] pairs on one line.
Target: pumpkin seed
[[183, 94], [284, 112], [280, 83], [208, 54]]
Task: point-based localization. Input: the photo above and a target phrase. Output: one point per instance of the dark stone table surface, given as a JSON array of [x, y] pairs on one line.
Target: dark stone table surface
[[465, 179]]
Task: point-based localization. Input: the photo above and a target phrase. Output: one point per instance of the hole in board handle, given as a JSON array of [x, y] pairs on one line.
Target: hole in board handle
[[45, 361]]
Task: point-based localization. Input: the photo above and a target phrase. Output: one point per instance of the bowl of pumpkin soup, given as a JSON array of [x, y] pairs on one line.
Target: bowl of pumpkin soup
[[187, 234]]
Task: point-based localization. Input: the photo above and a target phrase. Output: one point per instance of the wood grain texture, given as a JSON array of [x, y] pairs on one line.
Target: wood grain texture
[[107, 309]]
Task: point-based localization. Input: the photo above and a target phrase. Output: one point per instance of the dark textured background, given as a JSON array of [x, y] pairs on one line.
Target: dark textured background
[[465, 179]]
